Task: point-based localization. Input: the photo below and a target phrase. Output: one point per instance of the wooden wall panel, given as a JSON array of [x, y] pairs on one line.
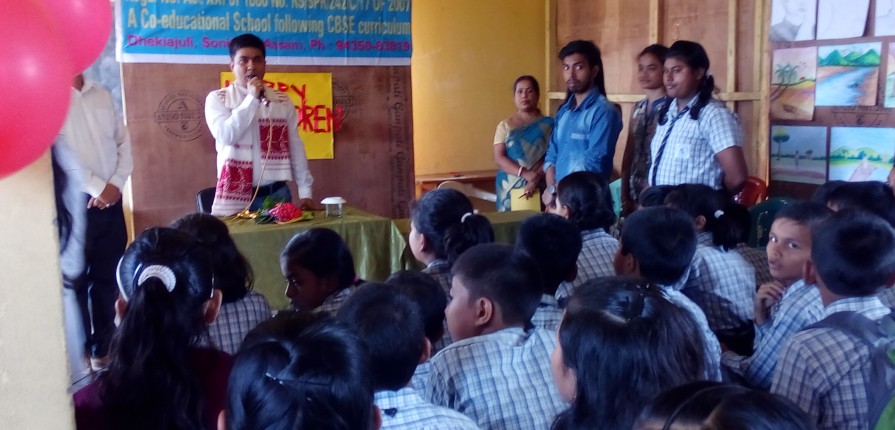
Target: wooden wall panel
[[173, 159]]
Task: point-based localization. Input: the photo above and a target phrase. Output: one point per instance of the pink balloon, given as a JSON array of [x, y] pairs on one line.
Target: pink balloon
[[35, 84], [85, 25]]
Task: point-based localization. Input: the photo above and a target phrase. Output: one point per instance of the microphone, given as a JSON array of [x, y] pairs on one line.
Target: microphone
[[263, 97]]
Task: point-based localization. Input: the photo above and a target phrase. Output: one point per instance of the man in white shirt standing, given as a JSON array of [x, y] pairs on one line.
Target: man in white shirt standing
[[98, 139], [256, 136]]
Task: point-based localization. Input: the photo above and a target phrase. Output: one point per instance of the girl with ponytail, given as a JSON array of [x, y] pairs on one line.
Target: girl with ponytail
[[698, 140], [158, 376], [721, 281], [443, 225]]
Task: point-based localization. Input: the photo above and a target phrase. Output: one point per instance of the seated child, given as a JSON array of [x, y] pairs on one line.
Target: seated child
[[431, 299], [319, 270], [785, 305], [443, 225], [824, 370], [317, 378], [242, 308], [158, 376], [657, 244], [554, 244], [721, 282], [620, 342], [391, 326], [497, 371], [584, 199]]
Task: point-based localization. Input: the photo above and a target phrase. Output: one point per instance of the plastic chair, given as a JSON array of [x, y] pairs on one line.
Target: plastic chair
[[469, 190], [762, 216], [204, 199], [755, 190]]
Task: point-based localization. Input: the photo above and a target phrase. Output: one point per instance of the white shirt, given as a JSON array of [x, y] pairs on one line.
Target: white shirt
[[95, 133], [232, 115]]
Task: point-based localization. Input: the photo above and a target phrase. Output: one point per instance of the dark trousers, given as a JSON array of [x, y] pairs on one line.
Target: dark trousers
[[97, 287]]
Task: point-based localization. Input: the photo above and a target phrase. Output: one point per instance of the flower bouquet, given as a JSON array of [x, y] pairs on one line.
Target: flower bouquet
[[277, 211]]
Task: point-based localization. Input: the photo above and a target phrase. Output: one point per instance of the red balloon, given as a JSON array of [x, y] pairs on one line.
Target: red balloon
[[85, 25], [35, 84]]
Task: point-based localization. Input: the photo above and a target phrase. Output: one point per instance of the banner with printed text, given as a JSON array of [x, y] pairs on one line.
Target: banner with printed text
[[312, 94], [295, 32]]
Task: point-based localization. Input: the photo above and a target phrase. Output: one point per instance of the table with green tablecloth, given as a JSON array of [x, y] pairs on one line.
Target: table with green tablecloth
[[374, 241], [505, 225]]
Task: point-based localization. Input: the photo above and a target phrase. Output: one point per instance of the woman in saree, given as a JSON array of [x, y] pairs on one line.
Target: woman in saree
[[520, 144]]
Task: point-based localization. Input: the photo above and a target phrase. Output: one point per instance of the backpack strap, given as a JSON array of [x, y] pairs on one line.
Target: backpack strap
[[853, 324]]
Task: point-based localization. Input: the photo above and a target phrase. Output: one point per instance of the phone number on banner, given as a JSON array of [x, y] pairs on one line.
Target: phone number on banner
[[366, 45]]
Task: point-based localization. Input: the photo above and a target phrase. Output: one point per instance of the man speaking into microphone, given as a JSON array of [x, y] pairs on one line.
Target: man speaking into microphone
[[256, 136]]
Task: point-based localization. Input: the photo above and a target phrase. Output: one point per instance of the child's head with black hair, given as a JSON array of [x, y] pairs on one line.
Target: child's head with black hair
[[852, 255], [711, 212], [232, 272], [443, 225], [870, 196], [554, 244], [822, 193], [493, 288], [316, 263], [657, 244], [654, 196], [684, 407], [789, 240], [391, 326], [620, 342], [286, 324], [425, 291], [318, 379], [757, 410], [585, 200]]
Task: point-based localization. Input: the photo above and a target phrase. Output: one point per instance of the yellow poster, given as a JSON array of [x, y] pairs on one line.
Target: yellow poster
[[312, 94]]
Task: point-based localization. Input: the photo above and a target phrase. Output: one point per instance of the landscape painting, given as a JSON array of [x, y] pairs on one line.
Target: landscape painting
[[847, 75], [890, 79], [861, 153], [793, 83], [799, 154]]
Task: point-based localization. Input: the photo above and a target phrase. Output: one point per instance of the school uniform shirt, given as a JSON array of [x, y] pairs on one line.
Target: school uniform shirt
[[722, 283], [710, 341], [684, 148], [887, 296], [596, 260], [420, 379], [405, 409], [584, 137], [501, 380], [334, 302], [799, 307], [825, 371], [758, 259], [236, 319], [548, 315]]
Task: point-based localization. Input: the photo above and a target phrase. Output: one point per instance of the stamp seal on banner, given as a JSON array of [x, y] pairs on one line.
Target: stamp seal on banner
[[181, 115]]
